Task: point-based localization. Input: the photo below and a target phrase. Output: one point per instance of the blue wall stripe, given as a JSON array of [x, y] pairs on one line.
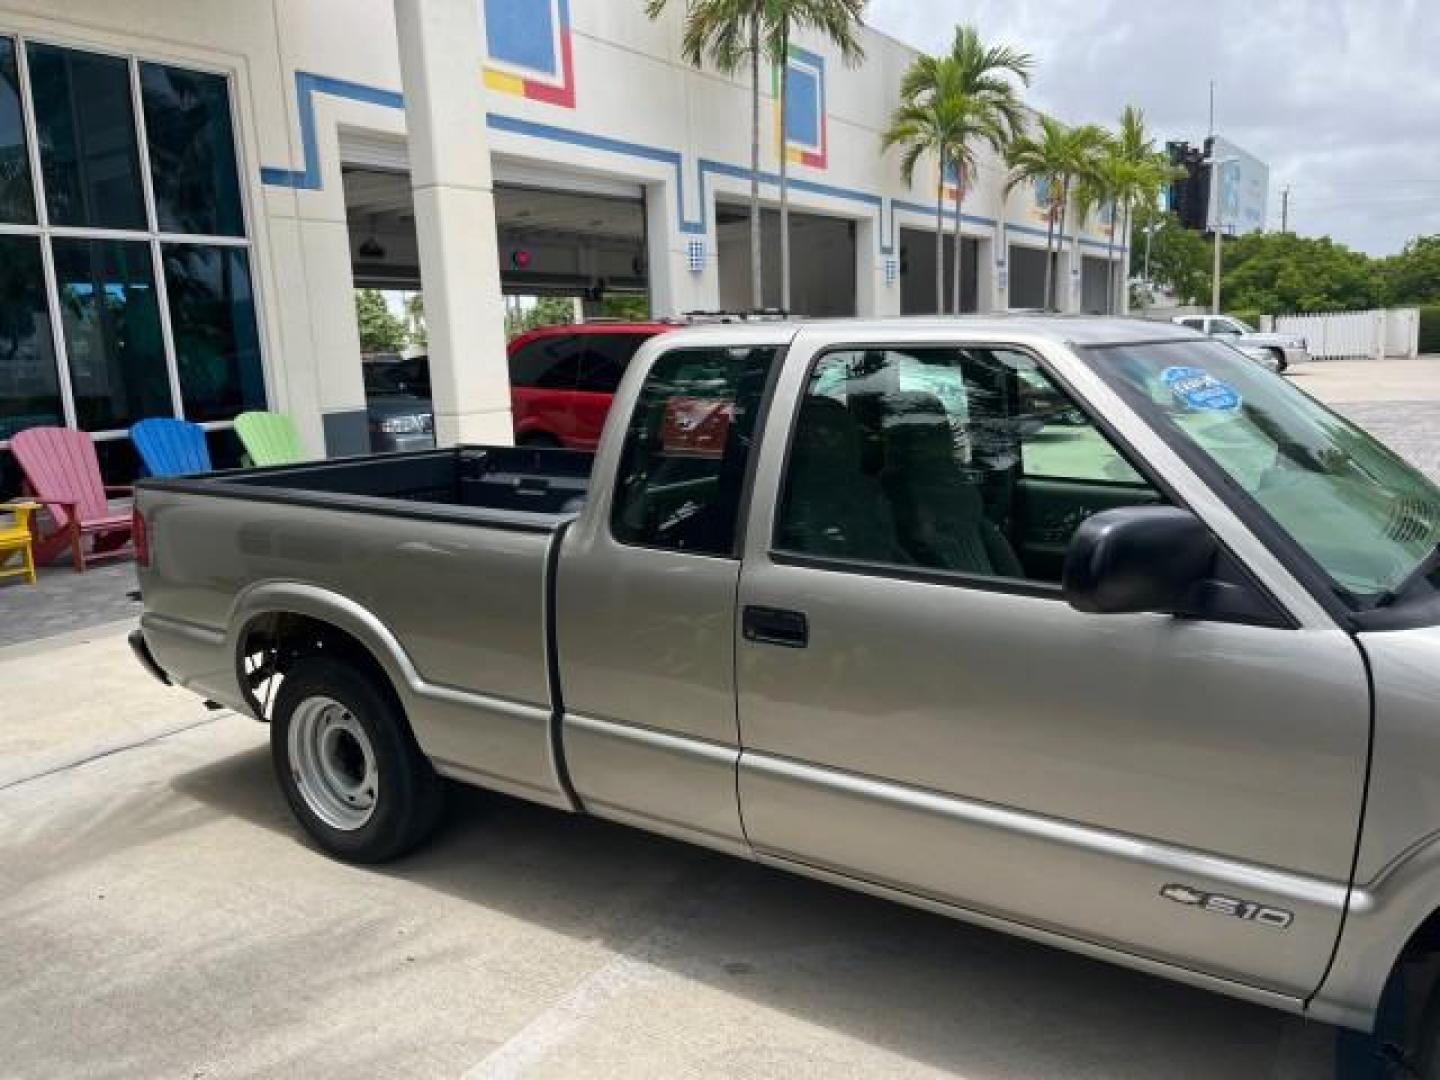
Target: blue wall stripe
[[308, 84]]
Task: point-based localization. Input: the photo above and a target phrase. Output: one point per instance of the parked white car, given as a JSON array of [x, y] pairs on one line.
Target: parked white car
[[1274, 351]]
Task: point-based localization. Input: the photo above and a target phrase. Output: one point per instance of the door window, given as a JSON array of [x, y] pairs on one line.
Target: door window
[[687, 447], [966, 460]]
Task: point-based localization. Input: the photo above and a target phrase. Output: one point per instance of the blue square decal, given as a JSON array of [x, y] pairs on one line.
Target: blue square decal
[[802, 108], [522, 33]]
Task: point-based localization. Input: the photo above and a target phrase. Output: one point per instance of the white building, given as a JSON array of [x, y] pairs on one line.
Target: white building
[[191, 189]]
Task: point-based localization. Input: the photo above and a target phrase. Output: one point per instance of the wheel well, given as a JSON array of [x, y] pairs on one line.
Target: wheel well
[[272, 643]]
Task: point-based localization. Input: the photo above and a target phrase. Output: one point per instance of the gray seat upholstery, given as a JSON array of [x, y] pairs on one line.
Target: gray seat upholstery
[[939, 515], [832, 507]]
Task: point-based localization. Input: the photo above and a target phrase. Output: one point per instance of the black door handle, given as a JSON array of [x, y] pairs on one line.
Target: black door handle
[[775, 626]]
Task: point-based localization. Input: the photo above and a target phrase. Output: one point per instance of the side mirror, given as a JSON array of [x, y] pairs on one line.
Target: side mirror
[[1139, 558]]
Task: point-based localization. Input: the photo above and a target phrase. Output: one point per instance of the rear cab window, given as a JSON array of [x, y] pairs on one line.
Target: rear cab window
[[687, 448]]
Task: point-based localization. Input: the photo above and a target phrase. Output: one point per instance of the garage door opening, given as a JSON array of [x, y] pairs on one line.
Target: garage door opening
[[1095, 286], [917, 272], [565, 256], [822, 261], [1027, 278]]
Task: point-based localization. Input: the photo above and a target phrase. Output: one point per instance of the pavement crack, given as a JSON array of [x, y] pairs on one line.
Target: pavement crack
[[107, 751]]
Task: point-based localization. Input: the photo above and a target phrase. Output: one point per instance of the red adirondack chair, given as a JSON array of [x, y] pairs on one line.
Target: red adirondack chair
[[62, 474]]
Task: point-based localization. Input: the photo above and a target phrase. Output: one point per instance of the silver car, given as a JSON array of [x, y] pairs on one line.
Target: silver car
[[1275, 351]]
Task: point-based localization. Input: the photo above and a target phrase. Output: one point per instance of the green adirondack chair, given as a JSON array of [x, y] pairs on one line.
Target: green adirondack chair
[[269, 438]]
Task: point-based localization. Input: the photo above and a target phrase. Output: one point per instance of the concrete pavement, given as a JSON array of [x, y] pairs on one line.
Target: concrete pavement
[[160, 915]]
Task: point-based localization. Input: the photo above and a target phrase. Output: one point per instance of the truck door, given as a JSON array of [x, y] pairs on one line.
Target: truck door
[[645, 607], [921, 710]]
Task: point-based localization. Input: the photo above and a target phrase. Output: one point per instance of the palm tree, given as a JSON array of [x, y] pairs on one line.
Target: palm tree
[[1104, 188], [1130, 173], [975, 78], [838, 21], [1060, 156], [1150, 171], [929, 127], [729, 32]]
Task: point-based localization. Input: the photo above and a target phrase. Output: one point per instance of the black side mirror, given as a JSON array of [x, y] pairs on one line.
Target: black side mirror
[[1139, 558]]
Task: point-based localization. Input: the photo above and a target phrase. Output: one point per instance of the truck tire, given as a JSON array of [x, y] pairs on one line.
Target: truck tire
[[349, 765], [1281, 364]]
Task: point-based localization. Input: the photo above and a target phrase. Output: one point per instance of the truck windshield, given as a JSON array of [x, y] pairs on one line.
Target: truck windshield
[[1366, 517]]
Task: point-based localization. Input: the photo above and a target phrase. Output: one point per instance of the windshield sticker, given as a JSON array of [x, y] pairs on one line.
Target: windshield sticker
[[1199, 391]]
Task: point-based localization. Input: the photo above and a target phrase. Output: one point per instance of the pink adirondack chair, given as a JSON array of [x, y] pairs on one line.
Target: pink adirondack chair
[[62, 474]]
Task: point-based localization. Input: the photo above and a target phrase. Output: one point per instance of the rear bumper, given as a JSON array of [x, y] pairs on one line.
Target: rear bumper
[[141, 649]]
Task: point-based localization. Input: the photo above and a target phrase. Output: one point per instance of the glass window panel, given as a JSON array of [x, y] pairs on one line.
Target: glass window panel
[[17, 196], [686, 448], [113, 343], [212, 320], [965, 460], [29, 386], [85, 126], [192, 151]]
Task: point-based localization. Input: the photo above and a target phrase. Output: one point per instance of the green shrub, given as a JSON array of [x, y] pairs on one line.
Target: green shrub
[[1430, 329], [1249, 318]]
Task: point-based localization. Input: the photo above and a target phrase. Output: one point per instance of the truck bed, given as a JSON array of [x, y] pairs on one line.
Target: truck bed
[[523, 487], [437, 563]]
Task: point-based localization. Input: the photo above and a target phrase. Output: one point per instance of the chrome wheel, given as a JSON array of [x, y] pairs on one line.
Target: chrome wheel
[[333, 763]]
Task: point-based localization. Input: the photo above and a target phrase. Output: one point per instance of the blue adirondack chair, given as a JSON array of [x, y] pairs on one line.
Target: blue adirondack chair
[[169, 447]]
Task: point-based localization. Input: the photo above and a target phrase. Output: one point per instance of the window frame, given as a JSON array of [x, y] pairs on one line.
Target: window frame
[[1043, 590], [736, 553], [151, 235]]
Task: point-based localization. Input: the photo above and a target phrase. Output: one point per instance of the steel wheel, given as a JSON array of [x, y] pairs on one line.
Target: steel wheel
[[333, 763]]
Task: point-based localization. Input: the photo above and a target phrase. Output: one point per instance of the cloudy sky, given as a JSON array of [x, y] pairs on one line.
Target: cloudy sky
[[1340, 97]]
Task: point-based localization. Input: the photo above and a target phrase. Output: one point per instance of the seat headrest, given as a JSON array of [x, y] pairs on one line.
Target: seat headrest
[[827, 437], [917, 431]]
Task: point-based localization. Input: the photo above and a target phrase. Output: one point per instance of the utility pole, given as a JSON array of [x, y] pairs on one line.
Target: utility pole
[[1285, 209]]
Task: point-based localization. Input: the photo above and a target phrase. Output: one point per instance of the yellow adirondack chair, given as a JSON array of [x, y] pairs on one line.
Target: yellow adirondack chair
[[15, 540]]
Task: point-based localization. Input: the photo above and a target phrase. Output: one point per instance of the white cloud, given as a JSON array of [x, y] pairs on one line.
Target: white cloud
[[1336, 95]]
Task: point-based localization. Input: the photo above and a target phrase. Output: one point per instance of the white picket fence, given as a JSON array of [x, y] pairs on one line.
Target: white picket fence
[[1356, 335]]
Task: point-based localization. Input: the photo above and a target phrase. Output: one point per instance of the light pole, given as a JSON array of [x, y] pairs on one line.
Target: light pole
[[1215, 164]]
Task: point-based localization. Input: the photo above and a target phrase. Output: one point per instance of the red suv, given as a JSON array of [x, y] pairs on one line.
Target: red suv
[[562, 379]]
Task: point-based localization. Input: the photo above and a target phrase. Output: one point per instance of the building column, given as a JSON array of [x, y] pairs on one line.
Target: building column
[[441, 57], [877, 292], [676, 285]]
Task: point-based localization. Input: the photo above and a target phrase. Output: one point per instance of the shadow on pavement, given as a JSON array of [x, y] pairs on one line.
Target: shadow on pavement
[[956, 997]]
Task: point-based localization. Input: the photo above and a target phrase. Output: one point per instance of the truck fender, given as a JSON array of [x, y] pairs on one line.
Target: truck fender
[[1382, 918], [295, 598]]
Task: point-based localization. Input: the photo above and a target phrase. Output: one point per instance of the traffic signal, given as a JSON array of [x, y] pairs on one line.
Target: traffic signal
[[1190, 193]]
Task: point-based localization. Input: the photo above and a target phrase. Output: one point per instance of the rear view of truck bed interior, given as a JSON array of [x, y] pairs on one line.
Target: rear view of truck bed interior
[[530, 479]]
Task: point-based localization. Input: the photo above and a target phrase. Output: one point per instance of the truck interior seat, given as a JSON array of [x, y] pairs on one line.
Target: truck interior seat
[[832, 506], [939, 513]]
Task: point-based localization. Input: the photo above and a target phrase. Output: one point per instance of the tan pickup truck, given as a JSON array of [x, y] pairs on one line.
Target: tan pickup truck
[[1086, 630]]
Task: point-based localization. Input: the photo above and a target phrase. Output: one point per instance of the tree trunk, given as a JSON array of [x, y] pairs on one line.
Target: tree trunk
[[1110, 262], [757, 295], [784, 175], [940, 241], [1059, 246], [959, 239], [1125, 278], [1046, 302]]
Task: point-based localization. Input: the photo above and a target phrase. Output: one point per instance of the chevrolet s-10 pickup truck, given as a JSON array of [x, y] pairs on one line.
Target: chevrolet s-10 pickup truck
[[1087, 630]]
